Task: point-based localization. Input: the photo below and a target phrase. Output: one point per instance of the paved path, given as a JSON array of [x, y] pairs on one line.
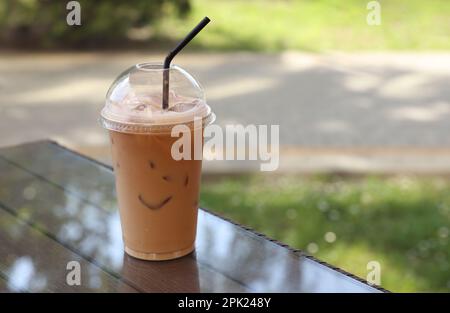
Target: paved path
[[333, 101]]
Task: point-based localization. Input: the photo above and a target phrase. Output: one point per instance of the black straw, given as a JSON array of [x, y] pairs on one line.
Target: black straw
[[173, 53]]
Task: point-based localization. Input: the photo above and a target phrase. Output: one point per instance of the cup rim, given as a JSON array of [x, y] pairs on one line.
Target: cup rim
[[138, 128]]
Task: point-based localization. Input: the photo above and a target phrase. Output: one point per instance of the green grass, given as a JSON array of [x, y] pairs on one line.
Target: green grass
[[401, 222], [268, 25]]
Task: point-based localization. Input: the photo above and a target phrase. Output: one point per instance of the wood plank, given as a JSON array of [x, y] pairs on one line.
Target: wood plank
[[4, 288], [31, 261], [59, 166], [91, 231], [180, 275]]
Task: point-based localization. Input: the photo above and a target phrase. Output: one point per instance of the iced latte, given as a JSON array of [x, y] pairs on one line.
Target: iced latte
[[157, 193]]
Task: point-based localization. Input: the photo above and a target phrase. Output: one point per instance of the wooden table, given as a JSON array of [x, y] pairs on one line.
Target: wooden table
[[57, 206]]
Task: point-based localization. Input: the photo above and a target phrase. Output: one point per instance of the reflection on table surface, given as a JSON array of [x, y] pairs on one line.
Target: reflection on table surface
[[57, 206]]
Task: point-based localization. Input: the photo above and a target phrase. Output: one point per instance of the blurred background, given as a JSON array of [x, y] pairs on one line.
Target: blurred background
[[363, 112]]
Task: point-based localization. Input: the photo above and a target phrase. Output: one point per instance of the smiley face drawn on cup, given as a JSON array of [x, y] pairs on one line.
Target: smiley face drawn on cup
[[152, 206], [163, 202]]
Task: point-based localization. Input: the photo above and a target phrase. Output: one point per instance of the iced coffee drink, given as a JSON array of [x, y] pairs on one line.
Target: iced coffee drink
[[157, 193]]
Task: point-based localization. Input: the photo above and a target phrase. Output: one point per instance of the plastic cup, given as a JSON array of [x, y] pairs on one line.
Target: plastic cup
[[157, 193]]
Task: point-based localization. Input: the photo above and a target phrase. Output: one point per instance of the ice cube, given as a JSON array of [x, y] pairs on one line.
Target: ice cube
[[182, 107]]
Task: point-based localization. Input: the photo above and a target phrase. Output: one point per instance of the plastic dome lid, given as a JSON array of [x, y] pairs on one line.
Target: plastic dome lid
[[134, 100]]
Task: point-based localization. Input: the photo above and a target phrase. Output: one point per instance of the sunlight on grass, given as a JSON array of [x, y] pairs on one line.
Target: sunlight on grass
[[403, 222], [264, 25], [358, 255]]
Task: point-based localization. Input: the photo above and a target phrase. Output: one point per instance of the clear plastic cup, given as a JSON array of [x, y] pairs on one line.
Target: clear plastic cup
[[157, 193]]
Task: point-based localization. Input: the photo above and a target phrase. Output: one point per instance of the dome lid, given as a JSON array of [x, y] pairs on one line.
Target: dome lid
[[134, 100]]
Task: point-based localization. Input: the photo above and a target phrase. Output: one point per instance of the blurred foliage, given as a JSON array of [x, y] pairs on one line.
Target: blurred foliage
[[403, 222], [258, 25], [43, 23], [315, 25]]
